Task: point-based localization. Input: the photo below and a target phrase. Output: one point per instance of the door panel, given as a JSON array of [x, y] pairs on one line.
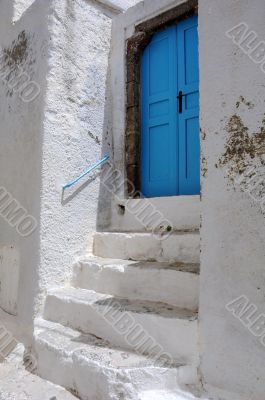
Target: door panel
[[188, 81], [159, 146], [158, 150], [189, 156], [170, 140]]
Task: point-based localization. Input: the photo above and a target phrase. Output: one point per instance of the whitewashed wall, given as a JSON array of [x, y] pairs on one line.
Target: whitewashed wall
[[20, 154], [233, 222], [19, 7], [72, 136], [64, 47], [74, 130]]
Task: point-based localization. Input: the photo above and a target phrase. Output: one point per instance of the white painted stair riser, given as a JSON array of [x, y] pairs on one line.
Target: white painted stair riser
[[145, 215], [175, 285], [181, 247]]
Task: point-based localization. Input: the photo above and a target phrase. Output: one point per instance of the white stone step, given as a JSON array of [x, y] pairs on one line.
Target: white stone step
[[172, 283], [90, 368], [141, 215], [178, 247], [126, 323]]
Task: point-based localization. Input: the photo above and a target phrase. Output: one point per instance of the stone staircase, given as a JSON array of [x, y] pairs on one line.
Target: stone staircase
[[127, 324]]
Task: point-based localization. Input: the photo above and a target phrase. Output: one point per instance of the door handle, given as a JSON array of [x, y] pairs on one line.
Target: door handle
[[180, 99]]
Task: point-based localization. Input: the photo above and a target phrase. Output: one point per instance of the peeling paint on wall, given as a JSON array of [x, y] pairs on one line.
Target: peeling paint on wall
[[242, 100], [241, 146], [204, 167], [244, 157], [17, 53], [17, 66]]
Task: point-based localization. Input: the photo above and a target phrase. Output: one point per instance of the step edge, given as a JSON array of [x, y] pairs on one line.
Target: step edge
[[106, 262], [44, 343], [61, 294], [195, 232]]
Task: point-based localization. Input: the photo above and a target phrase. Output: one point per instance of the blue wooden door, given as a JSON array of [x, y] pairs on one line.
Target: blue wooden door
[[170, 148]]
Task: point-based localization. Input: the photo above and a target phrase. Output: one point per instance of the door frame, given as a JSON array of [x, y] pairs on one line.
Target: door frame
[[134, 49]]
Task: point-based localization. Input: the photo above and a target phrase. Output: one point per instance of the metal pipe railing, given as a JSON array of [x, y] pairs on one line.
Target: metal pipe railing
[[90, 169]]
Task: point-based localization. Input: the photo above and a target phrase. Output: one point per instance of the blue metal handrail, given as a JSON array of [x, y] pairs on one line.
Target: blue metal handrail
[[95, 166]]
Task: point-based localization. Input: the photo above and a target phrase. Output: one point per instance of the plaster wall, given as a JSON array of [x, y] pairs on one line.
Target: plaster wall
[[20, 152], [64, 47], [19, 7], [72, 134], [233, 229], [75, 131]]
